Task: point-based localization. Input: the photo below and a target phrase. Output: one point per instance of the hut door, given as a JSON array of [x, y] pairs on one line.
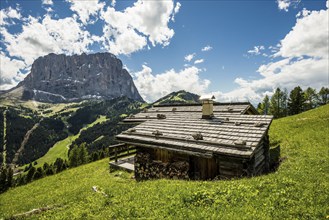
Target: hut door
[[194, 172]]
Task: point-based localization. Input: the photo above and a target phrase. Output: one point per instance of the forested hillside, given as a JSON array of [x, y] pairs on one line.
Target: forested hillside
[[31, 130], [179, 97]]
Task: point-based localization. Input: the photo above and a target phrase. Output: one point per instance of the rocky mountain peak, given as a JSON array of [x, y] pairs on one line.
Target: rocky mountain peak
[[61, 78]]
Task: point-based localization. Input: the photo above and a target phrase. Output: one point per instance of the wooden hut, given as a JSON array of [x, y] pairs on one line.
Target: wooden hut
[[199, 141]]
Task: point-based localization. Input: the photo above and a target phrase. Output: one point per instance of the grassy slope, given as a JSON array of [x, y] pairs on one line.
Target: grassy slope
[[298, 190], [60, 149]]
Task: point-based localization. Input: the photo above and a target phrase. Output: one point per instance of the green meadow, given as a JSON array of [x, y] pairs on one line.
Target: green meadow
[[297, 190]]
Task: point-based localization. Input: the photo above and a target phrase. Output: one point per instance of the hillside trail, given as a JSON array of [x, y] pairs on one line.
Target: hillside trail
[[21, 148], [4, 153]]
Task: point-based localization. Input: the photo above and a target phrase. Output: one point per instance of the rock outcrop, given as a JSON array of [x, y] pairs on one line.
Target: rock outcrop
[[61, 78]]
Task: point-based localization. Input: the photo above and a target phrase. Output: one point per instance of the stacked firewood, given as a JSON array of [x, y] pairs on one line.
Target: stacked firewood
[[146, 168]]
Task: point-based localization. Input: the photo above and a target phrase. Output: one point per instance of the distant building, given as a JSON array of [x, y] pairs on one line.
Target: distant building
[[199, 141]]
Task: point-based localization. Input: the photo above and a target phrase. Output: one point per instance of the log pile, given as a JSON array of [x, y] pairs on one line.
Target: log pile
[[146, 168]]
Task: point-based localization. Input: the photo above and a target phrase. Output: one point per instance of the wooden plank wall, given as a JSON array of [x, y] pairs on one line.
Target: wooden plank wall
[[220, 166]]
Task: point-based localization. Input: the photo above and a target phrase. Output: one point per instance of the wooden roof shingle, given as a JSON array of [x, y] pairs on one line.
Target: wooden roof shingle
[[229, 132]]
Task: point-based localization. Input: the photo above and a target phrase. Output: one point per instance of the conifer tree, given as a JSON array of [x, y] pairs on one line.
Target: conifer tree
[[324, 96], [278, 103], [83, 154], [3, 179], [74, 156], [296, 101], [10, 175], [30, 174], [263, 108], [311, 98], [39, 173]]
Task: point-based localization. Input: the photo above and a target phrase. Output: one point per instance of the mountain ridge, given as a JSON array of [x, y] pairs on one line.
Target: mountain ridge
[[57, 78], [179, 97]]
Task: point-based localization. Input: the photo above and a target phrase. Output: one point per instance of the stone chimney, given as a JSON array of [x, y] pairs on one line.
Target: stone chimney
[[207, 106]]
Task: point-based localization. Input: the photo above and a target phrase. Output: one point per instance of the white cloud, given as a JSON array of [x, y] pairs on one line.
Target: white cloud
[[199, 61], [286, 4], [303, 13], [176, 10], [302, 60], [283, 4], [8, 14], [309, 37], [39, 38], [189, 57], [257, 50], [113, 2], [124, 32], [152, 87], [47, 2], [9, 71], [125, 42], [206, 48], [85, 9], [145, 20]]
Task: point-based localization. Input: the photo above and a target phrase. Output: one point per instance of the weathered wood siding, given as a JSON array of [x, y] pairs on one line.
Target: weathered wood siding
[[161, 163]]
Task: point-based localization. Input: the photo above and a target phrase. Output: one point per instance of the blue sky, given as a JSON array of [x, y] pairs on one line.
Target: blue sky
[[236, 50]]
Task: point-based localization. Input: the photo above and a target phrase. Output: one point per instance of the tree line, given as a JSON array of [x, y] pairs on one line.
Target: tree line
[[281, 104], [78, 155]]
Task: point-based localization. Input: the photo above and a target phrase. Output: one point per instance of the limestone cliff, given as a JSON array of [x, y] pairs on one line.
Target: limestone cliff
[[61, 78]]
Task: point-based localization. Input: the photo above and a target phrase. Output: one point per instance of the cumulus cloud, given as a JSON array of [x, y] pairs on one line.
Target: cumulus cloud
[[47, 2], [152, 87], [189, 57], [303, 13], [283, 4], [301, 59], [86, 9], [309, 37], [7, 15], [206, 48], [176, 10], [9, 71], [199, 61], [124, 32], [144, 21], [38, 38]]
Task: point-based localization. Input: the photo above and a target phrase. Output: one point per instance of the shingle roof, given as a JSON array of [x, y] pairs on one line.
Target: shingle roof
[[179, 111], [229, 132]]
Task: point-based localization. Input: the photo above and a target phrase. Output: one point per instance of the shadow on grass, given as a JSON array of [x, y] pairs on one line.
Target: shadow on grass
[[275, 159]]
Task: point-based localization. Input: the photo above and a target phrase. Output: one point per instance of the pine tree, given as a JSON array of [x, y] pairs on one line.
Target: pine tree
[[74, 156], [50, 170], [296, 101], [59, 165], [45, 166], [263, 108], [324, 96], [21, 180], [95, 156], [83, 154], [3, 179], [39, 173], [278, 103], [10, 175], [30, 174], [311, 98]]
